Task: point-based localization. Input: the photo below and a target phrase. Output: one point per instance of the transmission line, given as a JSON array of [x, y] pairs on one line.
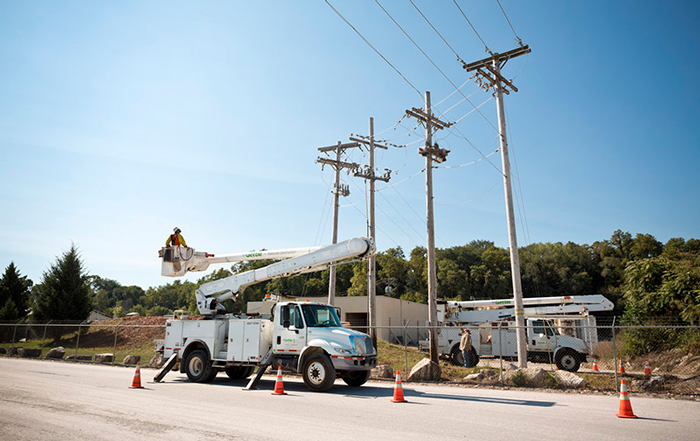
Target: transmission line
[[473, 28], [517, 39]]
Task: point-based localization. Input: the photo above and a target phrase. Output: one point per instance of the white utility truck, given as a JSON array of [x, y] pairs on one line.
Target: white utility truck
[[300, 336], [491, 325]]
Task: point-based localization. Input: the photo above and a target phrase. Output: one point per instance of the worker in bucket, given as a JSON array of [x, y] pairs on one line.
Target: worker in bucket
[[175, 239], [465, 345]]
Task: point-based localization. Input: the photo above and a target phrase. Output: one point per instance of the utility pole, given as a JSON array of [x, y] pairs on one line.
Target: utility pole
[[431, 153], [488, 74], [338, 190], [368, 173]]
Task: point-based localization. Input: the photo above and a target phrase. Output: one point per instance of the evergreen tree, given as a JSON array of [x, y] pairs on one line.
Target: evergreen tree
[[64, 293], [14, 294]]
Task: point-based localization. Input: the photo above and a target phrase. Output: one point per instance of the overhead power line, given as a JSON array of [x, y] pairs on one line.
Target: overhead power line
[[436, 31], [473, 28], [373, 48], [517, 39]]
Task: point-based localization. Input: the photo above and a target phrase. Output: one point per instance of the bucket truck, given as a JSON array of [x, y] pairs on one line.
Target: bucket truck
[[490, 323], [303, 337]]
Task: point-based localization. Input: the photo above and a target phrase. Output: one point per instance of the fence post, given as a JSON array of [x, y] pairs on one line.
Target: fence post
[[405, 348], [43, 339], [614, 350], [77, 340], [500, 349], [14, 334], [114, 349]]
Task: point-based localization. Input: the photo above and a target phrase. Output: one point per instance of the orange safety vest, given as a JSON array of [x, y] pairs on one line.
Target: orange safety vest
[[175, 240]]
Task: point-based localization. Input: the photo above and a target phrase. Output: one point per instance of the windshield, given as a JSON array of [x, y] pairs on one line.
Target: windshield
[[320, 316]]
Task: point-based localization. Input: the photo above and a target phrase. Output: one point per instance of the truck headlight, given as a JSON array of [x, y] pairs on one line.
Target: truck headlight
[[343, 351]]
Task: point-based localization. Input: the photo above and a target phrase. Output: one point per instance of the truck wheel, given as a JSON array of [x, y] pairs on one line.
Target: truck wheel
[[356, 378], [568, 360], [318, 373], [198, 368], [456, 357], [239, 372]]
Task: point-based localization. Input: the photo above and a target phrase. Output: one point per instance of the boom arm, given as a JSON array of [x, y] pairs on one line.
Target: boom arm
[[210, 295]]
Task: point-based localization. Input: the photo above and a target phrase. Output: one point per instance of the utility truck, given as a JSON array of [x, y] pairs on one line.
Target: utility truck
[[492, 328], [302, 337]]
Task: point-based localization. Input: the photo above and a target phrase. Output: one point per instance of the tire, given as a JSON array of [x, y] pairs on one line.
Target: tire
[[198, 367], [356, 378], [456, 357], [568, 360], [318, 373], [239, 372]]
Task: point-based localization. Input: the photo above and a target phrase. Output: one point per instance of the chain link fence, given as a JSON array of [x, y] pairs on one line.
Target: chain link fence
[[672, 352]]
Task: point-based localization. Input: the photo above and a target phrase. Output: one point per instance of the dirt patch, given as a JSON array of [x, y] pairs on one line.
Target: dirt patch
[[131, 332]]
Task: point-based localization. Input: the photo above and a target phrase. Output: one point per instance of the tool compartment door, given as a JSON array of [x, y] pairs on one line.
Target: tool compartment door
[[251, 341]]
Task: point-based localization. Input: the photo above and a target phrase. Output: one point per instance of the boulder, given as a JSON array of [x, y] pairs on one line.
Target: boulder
[[474, 377], [425, 370], [3, 351], [104, 358], [131, 360], [383, 371], [568, 379], [14, 350], [79, 357], [157, 360], [533, 377], [58, 353], [29, 353]]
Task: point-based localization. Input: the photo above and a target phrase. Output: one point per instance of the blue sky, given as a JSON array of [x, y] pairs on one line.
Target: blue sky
[[121, 120]]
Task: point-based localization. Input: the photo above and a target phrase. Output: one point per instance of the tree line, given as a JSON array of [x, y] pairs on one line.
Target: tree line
[[644, 278]]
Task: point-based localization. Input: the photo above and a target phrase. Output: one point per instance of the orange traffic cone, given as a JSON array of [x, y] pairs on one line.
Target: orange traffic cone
[[595, 366], [625, 405], [398, 390], [279, 386], [647, 368], [136, 384], [622, 367]]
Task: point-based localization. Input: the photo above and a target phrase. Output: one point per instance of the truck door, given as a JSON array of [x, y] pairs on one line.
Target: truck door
[[541, 336], [290, 337]]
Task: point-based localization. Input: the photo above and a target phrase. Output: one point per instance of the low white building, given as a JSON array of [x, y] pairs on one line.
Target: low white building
[[395, 317]]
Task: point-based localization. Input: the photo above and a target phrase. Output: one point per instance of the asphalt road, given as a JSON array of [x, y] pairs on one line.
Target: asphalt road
[[42, 400]]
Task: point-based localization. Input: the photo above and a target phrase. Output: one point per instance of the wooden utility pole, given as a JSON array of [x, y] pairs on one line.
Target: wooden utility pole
[[489, 69], [338, 190], [368, 173], [431, 153]]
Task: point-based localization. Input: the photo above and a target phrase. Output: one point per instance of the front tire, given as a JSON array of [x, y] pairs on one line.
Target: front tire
[[198, 367], [318, 373], [356, 378], [568, 360]]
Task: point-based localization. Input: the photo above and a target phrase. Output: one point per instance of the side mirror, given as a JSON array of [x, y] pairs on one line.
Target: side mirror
[[285, 316]]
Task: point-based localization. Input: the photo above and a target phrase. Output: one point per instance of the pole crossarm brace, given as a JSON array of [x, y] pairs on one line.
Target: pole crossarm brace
[[497, 60], [332, 148], [420, 115], [334, 163], [367, 142]]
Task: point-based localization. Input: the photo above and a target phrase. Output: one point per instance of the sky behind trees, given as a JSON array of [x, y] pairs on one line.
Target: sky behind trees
[[120, 121]]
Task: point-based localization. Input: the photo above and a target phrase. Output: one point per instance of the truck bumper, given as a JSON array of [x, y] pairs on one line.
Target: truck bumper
[[356, 363]]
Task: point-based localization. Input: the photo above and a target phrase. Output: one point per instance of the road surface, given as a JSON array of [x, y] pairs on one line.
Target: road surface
[[45, 400]]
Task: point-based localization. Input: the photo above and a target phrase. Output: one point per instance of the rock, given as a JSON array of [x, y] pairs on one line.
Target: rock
[[488, 373], [533, 377], [474, 377], [157, 361], [569, 379], [14, 350], [131, 360], [425, 370], [29, 353], [104, 358], [79, 357], [383, 371], [58, 352], [510, 367], [3, 351]]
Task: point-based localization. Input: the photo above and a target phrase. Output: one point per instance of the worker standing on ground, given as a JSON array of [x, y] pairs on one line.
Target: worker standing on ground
[[465, 345], [175, 239]]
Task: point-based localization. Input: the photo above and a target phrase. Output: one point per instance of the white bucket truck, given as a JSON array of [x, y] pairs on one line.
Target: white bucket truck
[[304, 337], [491, 325]]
